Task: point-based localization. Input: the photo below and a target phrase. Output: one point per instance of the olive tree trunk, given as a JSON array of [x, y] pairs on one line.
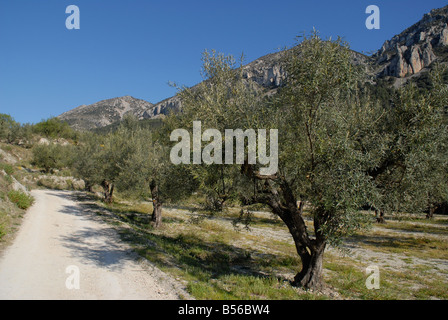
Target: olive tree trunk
[[379, 214], [280, 198], [108, 191], [430, 213], [156, 218], [311, 251]]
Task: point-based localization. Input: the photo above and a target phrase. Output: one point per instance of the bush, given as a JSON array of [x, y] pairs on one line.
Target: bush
[[54, 128], [7, 167], [8, 127], [2, 231], [53, 156], [22, 200]]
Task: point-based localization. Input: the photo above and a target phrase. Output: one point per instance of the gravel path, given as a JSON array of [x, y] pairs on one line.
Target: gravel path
[[63, 252]]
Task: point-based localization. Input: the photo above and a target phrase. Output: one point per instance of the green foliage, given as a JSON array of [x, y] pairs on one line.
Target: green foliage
[[9, 169], [52, 156], [129, 158], [343, 144], [55, 128], [8, 128], [224, 100], [411, 173], [146, 159], [323, 122], [87, 163], [22, 200]]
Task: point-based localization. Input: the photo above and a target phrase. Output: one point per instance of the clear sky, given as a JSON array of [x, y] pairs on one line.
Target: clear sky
[[135, 47]]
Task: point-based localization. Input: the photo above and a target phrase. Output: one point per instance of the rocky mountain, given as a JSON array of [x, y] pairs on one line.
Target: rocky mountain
[[105, 112], [163, 107], [265, 71], [407, 55], [416, 48]]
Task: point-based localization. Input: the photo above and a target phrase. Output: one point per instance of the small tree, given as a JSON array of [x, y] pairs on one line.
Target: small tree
[[88, 162], [53, 156], [55, 128], [149, 167], [101, 159], [412, 163], [8, 128]]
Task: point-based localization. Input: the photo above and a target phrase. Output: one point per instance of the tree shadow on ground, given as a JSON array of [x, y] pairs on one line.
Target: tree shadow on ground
[[191, 253], [97, 244], [99, 247], [207, 260]]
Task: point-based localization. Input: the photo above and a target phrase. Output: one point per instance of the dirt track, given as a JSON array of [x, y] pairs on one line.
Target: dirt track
[[59, 241]]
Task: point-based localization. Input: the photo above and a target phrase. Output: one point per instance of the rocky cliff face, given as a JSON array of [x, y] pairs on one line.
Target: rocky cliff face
[[266, 71], [105, 112], [162, 108], [415, 48]]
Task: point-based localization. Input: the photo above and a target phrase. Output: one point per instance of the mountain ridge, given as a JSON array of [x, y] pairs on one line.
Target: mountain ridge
[[406, 55], [105, 112]]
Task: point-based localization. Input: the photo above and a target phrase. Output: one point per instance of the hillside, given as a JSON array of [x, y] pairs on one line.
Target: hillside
[[105, 112]]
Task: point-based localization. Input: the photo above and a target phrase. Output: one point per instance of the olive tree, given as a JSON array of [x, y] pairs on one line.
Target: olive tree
[[412, 163], [224, 100], [52, 156], [8, 128], [88, 164], [319, 117], [148, 167], [100, 159]]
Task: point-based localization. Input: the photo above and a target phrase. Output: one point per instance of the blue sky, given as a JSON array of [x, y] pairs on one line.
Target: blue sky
[[135, 47]]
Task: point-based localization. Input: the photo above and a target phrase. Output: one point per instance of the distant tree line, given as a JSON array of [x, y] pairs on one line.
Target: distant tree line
[[15, 133]]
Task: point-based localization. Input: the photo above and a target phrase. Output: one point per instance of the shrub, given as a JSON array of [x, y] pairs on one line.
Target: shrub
[[54, 128], [53, 156], [7, 167], [2, 231], [8, 127], [21, 199]]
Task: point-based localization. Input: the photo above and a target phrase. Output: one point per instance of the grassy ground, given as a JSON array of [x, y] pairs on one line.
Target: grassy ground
[[217, 259]]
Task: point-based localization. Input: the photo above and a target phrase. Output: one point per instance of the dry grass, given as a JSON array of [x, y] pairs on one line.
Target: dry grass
[[215, 260]]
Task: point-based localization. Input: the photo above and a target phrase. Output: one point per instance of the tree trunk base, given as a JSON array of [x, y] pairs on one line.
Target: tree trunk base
[[311, 275], [430, 213], [108, 191], [156, 219], [380, 216], [380, 220]]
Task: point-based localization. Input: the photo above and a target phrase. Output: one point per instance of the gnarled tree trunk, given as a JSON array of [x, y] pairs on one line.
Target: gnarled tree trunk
[[431, 211], [379, 214], [156, 218], [311, 275], [108, 191], [283, 203], [311, 251]]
